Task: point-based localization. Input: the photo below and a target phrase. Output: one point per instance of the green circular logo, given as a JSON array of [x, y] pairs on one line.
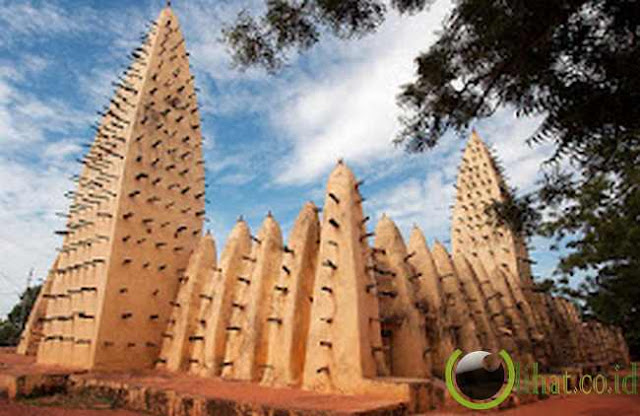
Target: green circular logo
[[477, 381]]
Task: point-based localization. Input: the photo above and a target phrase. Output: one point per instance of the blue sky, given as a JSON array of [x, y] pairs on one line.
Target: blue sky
[[270, 141]]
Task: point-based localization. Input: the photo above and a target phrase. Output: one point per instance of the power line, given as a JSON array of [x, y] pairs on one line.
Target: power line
[[8, 280]]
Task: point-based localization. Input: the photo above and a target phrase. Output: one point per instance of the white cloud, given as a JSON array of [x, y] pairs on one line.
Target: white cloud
[[61, 151], [34, 63], [348, 109], [201, 23], [96, 84], [33, 178], [29, 196], [32, 22], [25, 117], [235, 179], [25, 20], [508, 134], [423, 202]]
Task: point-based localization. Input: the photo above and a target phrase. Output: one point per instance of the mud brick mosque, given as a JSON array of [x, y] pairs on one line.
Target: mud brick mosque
[[338, 306]]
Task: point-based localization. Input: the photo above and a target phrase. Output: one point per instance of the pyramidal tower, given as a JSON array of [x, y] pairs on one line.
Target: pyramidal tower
[[135, 217], [479, 184], [501, 251]]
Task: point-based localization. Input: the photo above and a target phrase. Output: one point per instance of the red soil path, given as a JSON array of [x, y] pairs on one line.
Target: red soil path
[[583, 405], [17, 409], [579, 405], [244, 392], [569, 406], [14, 364]]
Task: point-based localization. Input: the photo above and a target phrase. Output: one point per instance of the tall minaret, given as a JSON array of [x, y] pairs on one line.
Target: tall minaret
[[479, 184], [498, 248], [136, 215]]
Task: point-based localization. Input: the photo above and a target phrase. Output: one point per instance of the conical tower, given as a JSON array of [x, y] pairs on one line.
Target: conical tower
[[344, 333], [217, 303], [431, 300], [402, 324], [248, 331], [136, 215], [291, 302], [477, 301]]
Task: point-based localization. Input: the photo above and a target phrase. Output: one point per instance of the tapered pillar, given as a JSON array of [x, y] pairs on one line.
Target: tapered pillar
[[248, 330], [291, 302], [344, 334], [403, 326], [567, 345], [477, 302], [508, 331], [518, 325], [432, 302], [216, 303], [538, 343], [623, 350], [180, 336], [464, 331]]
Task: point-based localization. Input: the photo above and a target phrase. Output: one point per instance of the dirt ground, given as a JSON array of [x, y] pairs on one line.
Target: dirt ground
[[568, 406], [589, 405], [583, 405], [19, 409]]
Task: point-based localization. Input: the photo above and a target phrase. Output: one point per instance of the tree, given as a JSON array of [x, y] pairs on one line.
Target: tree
[[296, 25], [12, 326], [572, 62]]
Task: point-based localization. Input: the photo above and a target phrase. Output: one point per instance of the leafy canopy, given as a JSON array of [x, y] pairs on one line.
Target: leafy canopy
[[12, 326]]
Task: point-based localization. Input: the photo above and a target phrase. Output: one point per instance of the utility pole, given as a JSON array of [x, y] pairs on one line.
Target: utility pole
[[23, 301]]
